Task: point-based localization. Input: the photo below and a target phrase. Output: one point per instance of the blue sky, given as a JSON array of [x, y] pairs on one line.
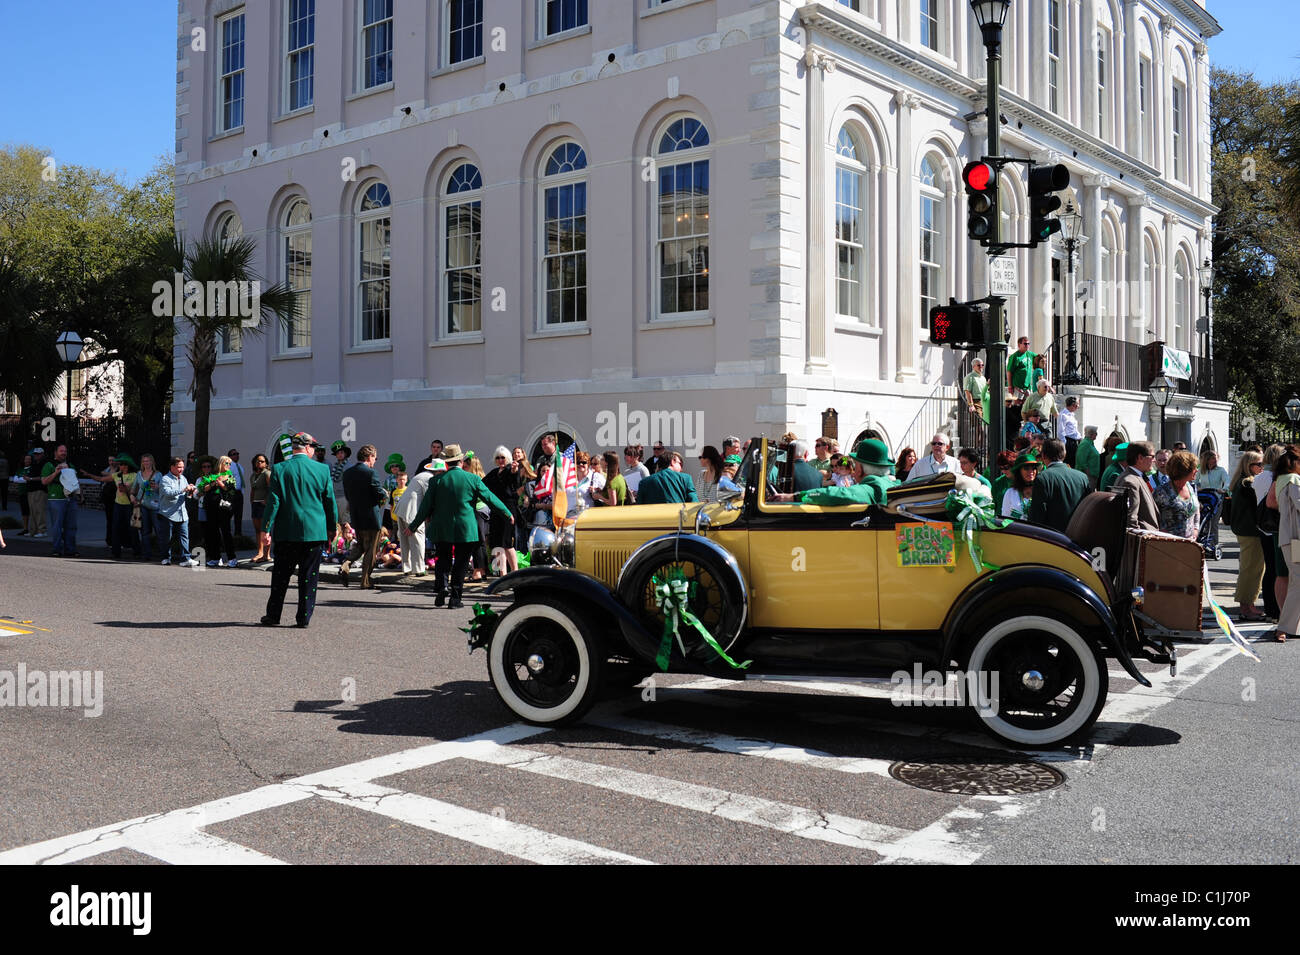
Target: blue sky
[[107, 98]]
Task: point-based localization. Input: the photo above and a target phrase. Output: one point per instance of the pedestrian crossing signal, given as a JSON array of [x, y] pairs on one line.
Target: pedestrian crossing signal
[[957, 324]]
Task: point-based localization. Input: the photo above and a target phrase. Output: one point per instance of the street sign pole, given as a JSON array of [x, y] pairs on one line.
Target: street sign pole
[[995, 345]]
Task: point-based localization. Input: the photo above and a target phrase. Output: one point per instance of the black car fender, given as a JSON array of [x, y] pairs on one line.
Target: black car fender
[[586, 592], [1024, 588]]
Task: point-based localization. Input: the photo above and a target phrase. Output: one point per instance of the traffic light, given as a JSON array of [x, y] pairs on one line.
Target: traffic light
[[981, 179], [957, 324], [1043, 182]]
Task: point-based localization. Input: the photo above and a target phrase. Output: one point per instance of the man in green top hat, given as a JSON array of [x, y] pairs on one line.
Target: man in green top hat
[[299, 519], [1115, 469], [873, 471], [449, 506]]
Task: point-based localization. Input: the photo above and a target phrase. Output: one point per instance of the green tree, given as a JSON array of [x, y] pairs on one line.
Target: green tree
[[211, 263], [1256, 245]]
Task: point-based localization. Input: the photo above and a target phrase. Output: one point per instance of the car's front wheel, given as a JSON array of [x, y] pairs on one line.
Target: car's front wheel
[[545, 661], [1034, 680]]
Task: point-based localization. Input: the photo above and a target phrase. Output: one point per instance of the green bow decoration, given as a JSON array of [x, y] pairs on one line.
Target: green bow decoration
[[672, 595], [969, 515], [480, 626]]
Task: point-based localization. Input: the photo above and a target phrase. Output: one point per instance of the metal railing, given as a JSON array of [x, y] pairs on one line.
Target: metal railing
[[1127, 366], [939, 412]]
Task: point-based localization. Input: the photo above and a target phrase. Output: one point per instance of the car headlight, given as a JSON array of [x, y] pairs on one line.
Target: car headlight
[[540, 540], [563, 549]]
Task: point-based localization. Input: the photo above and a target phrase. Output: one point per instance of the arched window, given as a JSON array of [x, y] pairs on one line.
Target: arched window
[[462, 259], [682, 220], [850, 229], [1145, 94], [1105, 129], [1177, 117], [1150, 277], [564, 236], [295, 230], [1105, 296], [933, 237], [1178, 336], [374, 256], [229, 340]]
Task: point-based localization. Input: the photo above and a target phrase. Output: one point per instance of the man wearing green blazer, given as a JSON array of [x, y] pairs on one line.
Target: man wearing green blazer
[[1058, 490], [449, 507], [299, 519]]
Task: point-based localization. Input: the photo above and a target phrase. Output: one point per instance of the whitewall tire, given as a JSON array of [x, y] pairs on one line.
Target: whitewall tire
[[545, 662]]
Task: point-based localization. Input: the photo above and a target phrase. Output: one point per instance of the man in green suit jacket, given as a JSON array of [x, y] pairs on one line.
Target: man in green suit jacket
[[299, 519], [668, 484], [1059, 489], [1087, 458], [449, 507]]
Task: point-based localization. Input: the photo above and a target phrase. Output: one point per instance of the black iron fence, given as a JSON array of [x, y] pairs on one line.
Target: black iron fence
[[1127, 366]]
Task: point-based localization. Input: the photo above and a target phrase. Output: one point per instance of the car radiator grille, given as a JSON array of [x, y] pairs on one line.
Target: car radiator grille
[[608, 561]]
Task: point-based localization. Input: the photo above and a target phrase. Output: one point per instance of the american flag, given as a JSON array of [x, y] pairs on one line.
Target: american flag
[[567, 481]]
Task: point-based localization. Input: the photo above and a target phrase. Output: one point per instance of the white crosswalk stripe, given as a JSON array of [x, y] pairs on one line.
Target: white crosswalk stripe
[[181, 836]]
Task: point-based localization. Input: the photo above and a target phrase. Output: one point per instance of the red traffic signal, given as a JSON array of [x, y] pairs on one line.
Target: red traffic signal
[[978, 175]]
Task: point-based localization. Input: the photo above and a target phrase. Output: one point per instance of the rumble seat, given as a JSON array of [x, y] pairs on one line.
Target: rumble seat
[[1101, 521]]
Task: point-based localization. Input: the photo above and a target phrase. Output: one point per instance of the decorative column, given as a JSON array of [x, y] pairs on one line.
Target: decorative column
[[909, 294], [1167, 285], [819, 241], [1131, 99], [1090, 259], [1162, 98], [1088, 117], [1201, 122]]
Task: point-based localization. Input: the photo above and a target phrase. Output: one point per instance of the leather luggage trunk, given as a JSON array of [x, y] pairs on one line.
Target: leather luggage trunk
[[1169, 570]]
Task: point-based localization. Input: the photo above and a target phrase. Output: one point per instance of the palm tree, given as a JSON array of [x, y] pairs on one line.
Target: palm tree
[[208, 261]]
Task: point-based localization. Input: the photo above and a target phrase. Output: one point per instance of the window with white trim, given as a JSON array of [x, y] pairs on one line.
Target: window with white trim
[[462, 243], [1180, 323], [1103, 84], [850, 229], [932, 239], [1054, 55], [1146, 131], [1149, 278], [374, 256], [464, 30], [300, 54], [557, 16], [681, 221], [1176, 118], [564, 236], [295, 232], [230, 92], [930, 25], [229, 340], [376, 36]]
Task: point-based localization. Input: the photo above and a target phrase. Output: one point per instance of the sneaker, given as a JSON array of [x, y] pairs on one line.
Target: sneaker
[[212, 563], [189, 562], [166, 561]]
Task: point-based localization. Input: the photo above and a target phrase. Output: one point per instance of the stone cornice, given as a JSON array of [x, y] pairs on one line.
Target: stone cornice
[[1199, 17]]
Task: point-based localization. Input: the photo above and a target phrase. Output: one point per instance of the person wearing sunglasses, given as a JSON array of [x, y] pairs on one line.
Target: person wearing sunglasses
[[938, 461]]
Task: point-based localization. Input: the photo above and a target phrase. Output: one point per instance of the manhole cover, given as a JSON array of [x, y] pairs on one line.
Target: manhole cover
[[978, 777]]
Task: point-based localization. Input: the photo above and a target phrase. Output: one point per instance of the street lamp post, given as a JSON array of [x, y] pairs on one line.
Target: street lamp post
[[991, 15], [1162, 389], [69, 345], [1072, 235], [1206, 272], [1293, 412]]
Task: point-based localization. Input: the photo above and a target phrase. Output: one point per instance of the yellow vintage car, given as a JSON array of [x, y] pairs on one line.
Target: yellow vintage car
[[749, 588]]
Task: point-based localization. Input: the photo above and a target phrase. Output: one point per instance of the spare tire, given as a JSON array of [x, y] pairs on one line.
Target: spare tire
[[719, 598]]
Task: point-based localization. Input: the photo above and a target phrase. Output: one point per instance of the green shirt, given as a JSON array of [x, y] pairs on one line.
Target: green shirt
[[619, 486], [54, 488], [870, 490], [1021, 369], [1110, 476], [1087, 458]]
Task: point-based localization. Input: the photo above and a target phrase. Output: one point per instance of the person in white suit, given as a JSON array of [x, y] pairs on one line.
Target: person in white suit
[[408, 505]]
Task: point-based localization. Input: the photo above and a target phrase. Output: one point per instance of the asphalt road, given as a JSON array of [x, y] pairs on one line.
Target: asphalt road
[[373, 738]]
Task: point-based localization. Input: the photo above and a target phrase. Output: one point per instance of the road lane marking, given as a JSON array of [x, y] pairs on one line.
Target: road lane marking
[[754, 810], [468, 825]]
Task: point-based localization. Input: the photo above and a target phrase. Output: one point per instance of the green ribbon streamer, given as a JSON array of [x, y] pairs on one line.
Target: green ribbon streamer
[[970, 515], [672, 596], [483, 616]]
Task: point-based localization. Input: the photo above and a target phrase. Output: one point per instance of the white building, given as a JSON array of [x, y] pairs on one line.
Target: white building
[[512, 215]]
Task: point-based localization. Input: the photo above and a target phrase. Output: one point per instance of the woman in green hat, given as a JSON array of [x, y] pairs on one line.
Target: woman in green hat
[[1015, 503], [123, 478]]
